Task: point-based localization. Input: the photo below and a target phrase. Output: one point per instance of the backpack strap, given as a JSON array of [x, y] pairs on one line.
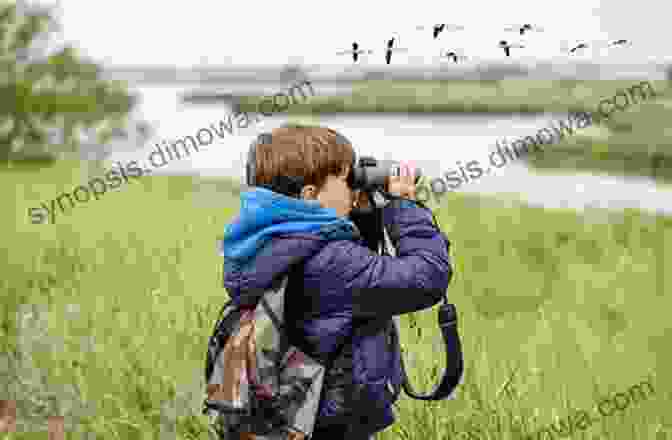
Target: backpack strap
[[296, 283], [279, 287], [264, 303]]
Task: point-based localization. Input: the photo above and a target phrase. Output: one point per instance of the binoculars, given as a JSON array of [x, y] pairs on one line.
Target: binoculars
[[369, 173]]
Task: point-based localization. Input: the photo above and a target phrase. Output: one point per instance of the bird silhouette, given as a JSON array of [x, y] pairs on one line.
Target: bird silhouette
[[619, 42], [601, 45], [507, 47], [453, 55], [388, 53], [389, 50], [522, 28], [580, 46], [355, 52], [525, 27], [438, 28]]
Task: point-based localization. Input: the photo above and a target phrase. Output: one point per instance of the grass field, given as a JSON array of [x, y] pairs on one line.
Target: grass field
[[124, 292], [460, 96], [637, 141]]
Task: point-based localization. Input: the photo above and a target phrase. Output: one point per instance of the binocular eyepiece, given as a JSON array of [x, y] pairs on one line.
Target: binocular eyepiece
[[371, 173]]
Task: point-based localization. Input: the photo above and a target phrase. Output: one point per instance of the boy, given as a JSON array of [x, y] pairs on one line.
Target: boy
[[296, 221]]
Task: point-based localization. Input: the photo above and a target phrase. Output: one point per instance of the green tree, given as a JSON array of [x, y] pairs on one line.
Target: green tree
[[43, 90]]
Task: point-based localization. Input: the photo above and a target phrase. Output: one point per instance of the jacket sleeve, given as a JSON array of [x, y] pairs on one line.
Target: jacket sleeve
[[416, 278]]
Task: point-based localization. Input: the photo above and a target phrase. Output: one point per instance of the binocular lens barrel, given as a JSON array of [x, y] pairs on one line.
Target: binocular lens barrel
[[371, 172]]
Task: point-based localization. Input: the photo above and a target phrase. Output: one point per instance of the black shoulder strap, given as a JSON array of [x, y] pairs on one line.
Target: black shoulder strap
[[454, 366], [447, 317]]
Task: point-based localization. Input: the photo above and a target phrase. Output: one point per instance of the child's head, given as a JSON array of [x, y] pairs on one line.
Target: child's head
[[315, 154]]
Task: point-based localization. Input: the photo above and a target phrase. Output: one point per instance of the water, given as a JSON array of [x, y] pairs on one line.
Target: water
[[437, 143]]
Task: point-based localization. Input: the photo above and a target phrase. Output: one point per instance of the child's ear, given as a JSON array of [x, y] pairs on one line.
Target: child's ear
[[309, 192]]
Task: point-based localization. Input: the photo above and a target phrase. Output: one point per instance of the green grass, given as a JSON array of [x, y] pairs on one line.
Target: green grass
[[632, 164], [126, 290], [459, 96], [637, 141]]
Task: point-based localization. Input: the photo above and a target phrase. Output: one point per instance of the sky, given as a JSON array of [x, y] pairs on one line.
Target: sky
[[197, 32]]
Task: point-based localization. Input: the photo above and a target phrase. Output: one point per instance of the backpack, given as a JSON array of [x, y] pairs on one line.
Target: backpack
[[258, 386]]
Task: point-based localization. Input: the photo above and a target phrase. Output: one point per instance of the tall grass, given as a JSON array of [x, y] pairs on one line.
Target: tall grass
[[105, 314], [461, 96]]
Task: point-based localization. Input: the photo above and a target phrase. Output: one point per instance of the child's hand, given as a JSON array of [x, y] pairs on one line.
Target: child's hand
[[361, 200], [404, 184]]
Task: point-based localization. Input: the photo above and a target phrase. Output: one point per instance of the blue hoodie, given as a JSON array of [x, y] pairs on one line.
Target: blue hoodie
[[265, 214]]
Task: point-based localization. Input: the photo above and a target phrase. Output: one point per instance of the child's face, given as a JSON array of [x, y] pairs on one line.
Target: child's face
[[335, 193]]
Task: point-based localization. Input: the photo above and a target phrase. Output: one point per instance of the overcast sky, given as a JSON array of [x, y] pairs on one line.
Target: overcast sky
[[277, 32]]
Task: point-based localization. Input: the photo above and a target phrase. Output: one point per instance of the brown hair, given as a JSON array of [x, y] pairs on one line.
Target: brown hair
[[310, 152]]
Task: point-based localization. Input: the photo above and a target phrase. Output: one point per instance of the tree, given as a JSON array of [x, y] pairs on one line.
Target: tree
[[44, 89]]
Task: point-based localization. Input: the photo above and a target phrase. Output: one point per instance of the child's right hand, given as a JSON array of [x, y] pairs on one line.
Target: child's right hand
[[404, 184]]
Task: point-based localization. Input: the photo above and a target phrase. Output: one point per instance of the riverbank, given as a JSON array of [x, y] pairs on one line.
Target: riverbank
[[639, 137], [636, 142], [461, 96]]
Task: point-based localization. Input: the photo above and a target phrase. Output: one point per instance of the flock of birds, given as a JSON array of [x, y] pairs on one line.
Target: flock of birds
[[457, 55]]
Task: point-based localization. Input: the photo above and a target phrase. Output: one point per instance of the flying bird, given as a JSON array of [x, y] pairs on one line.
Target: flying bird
[[438, 28], [453, 55], [389, 50], [507, 47], [598, 44], [580, 46], [355, 52], [522, 28], [619, 43]]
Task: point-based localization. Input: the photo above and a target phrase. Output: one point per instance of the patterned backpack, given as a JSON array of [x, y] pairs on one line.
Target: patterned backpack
[[258, 386]]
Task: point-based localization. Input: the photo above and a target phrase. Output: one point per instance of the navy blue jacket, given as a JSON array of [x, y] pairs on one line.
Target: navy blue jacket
[[275, 233]]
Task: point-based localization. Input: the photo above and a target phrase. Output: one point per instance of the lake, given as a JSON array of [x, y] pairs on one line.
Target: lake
[[437, 143]]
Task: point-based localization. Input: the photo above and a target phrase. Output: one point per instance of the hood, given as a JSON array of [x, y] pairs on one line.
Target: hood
[[273, 232]]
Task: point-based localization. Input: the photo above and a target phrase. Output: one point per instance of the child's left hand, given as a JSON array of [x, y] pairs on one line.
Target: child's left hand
[[361, 200]]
